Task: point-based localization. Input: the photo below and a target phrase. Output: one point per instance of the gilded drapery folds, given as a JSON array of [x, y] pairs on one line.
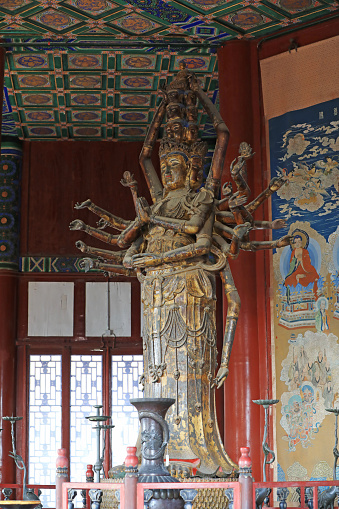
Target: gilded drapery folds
[[179, 339]]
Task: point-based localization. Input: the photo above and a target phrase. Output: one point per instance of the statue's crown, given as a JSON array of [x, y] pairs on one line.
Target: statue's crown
[[199, 148], [168, 146]]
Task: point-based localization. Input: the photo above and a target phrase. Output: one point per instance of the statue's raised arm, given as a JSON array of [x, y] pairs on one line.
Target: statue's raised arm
[[145, 160], [217, 166]]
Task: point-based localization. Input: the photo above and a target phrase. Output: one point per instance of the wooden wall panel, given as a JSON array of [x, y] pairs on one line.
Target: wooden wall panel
[[59, 174]]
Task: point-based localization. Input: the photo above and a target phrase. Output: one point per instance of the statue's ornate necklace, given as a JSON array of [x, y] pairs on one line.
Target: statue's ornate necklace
[[175, 206]]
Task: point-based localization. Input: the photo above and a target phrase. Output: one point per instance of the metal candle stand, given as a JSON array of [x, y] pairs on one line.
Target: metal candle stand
[[98, 418], [262, 494], [13, 419], [30, 500]]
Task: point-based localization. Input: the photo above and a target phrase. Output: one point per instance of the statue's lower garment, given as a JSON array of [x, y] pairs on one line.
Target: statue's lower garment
[[180, 357]]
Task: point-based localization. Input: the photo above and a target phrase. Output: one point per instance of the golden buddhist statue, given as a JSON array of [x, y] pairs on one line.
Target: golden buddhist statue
[[175, 246]]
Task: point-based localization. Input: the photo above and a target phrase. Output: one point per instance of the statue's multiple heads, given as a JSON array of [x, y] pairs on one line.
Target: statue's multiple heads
[[181, 153], [181, 165]]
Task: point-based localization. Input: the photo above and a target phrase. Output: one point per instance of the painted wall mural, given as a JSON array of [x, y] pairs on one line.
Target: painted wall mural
[[304, 148]]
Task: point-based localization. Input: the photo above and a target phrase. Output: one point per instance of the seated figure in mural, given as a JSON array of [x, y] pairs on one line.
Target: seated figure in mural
[[301, 269], [174, 247]]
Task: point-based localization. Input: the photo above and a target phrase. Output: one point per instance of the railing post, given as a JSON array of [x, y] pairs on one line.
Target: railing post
[[7, 492], [229, 494], [96, 498], [131, 478], [188, 496], [71, 496], [245, 479], [62, 475], [282, 494]]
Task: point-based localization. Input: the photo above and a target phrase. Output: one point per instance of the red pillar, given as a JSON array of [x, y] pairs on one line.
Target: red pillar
[[8, 306], [240, 108], [8, 300]]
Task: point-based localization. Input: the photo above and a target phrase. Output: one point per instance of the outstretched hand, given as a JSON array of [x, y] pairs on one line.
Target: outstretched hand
[[284, 241], [86, 264], [237, 200], [83, 205], [81, 245], [279, 223], [276, 183], [221, 377], [77, 225]]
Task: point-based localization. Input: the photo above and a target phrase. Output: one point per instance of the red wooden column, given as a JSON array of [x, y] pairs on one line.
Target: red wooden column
[[240, 108], [8, 305], [8, 298]]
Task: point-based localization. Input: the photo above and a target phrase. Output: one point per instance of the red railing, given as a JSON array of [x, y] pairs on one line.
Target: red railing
[[236, 486], [36, 487], [141, 487], [187, 486], [92, 486], [302, 485]]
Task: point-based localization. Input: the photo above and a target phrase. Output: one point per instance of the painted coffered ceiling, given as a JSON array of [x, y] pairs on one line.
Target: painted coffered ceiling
[[90, 69]]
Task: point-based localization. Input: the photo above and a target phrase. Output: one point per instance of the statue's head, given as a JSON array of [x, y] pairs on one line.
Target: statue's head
[[174, 159], [190, 98], [192, 114], [175, 111], [175, 130], [174, 96], [191, 133], [196, 165]]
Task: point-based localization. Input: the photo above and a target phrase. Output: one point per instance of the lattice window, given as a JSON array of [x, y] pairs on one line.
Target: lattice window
[[86, 391], [86, 383], [44, 421], [126, 370]]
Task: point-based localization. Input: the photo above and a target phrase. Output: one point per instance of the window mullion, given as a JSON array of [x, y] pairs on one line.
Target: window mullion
[[66, 400], [107, 408]]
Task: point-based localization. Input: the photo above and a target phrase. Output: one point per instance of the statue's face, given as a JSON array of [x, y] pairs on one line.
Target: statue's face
[[175, 131], [192, 132], [191, 98], [173, 171], [173, 96], [173, 110], [197, 172]]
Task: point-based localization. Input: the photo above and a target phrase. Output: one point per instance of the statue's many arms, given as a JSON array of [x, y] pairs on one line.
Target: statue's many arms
[[168, 247]]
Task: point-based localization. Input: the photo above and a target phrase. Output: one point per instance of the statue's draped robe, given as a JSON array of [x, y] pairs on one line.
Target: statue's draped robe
[[179, 343]]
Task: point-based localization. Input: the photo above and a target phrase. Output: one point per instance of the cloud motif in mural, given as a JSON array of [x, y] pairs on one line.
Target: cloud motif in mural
[[311, 186], [296, 145], [328, 129]]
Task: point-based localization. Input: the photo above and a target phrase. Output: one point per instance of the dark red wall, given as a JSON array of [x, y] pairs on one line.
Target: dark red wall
[[56, 175]]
